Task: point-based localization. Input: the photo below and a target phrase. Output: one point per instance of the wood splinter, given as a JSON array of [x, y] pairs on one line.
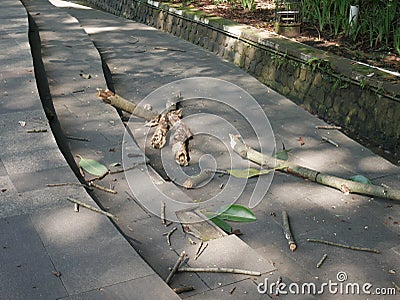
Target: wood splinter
[[176, 266], [287, 231], [321, 261], [179, 140]]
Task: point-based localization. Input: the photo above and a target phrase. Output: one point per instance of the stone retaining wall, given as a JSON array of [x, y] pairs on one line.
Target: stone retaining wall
[[332, 87]]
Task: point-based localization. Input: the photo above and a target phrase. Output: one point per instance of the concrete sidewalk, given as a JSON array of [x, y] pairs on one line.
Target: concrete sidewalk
[[47, 250]]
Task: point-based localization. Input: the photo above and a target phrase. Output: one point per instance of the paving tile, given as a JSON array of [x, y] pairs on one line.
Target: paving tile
[[100, 255], [148, 287], [245, 289], [26, 270], [39, 200], [25, 182]]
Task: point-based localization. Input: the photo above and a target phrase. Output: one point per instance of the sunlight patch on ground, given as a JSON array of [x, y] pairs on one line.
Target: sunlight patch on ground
[[60, 3]]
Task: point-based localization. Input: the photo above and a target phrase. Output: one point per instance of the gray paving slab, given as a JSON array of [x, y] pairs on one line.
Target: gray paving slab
[[88, 252], [134, 289], [27, 270]]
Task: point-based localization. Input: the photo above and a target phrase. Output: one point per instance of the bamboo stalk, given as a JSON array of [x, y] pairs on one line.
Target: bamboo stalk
[[288, 232], [344, 246], [247, 152], [92, 208], [328, 127], [220, 270], [176, 267]]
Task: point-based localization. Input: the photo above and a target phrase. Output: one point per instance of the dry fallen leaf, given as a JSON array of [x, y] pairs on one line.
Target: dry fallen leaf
[[56, 273], [301, 140]]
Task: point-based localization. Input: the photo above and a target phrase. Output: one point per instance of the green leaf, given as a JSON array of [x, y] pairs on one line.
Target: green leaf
[[248, 173], [282, 154], [222, 224], [93, 167], [360, 179], [236, 213]]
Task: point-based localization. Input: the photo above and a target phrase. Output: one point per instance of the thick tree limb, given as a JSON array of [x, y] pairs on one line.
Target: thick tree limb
[[339, 183], [125, 105]]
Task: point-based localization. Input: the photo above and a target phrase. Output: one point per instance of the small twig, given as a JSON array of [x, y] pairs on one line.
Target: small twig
[[287, 231], [176, 266], [183, 289], [163, 213], [343, 246], [69, 183], [396, 286], [92, 208], [169, 49], [324, 138], [102, 188], [199, 248], [321, 261], [232, 290], [77, 138], [126, 169], [36, 130], [328, 127], [168, 234], [219, 270], [201, 251]]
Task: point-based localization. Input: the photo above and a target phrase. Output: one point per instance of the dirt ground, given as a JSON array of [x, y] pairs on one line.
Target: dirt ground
[[262, 17]]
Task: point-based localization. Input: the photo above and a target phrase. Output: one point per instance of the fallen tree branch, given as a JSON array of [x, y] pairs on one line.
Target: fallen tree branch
[[125, 105], [92, 208], [220, 270], [339, 183], [344, 246], [195, 180], [288, 232]]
